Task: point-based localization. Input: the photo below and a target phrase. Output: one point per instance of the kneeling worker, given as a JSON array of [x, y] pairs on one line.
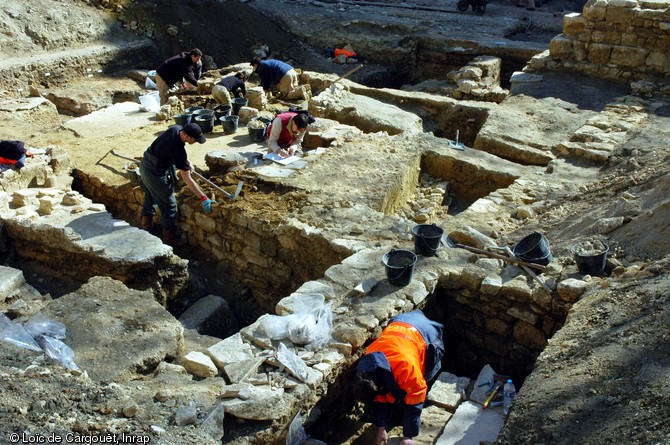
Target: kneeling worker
[[230, 84], [156, 170], [286, 132], [393, 374]]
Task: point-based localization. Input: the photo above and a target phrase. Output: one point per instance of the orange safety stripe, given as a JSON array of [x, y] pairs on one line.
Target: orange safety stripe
[[339, 51], [7, 161], [405, 349]]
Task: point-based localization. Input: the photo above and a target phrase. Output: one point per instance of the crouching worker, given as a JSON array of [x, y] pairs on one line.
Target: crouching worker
[[286, 132], [392, 376], [157, 170]]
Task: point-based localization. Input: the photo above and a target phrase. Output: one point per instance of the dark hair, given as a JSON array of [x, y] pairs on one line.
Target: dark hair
[[255, 61], [301, 120], [364, 387], [242, 75], [195, 52]]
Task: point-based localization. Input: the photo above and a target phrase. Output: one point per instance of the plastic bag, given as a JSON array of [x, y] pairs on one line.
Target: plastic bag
[[15, 334], [294, 364], [149, 84], [311, 322], [150, 102], [275, 327], [58, 350], [39, 325]]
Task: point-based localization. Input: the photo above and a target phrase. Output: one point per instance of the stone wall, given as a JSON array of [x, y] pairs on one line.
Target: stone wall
[[620, 40], [272, 258]]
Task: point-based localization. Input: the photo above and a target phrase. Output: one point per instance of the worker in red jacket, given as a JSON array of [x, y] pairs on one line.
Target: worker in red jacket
[[393, 374], [286, 132]]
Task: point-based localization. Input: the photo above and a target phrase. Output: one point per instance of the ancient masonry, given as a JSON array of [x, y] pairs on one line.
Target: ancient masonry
[[620, 40]]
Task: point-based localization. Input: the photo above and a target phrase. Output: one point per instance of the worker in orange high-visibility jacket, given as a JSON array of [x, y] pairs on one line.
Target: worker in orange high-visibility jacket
[[393, 374]]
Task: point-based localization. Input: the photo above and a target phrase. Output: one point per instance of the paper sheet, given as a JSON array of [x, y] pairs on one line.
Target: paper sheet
[[278, 159]]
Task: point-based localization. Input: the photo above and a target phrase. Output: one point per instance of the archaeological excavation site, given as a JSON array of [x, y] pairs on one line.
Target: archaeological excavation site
[[502, 170]]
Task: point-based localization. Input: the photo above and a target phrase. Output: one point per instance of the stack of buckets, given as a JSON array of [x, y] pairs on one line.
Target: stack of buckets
[[400, 263]]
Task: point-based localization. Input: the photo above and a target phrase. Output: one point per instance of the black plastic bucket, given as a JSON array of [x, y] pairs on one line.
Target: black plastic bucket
[[427, 239], [589, 262], [238, 103], [229, 124], [182, 119], [206, 123], [534, 248], [399, 266], [191, 110], [257, 134], [222, 110]]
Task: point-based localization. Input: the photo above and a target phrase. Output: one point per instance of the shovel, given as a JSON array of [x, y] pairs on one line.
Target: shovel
[[448, 242]]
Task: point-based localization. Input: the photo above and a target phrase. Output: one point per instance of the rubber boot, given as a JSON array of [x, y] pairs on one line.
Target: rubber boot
[[147, 223], [172, 238]]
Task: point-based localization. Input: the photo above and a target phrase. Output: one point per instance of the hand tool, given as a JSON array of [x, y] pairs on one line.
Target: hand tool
[[528, 271], [446, 241], [231, 196]]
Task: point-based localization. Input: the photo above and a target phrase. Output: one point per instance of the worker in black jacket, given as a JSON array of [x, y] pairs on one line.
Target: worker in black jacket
[[230, 84], [185, 65]]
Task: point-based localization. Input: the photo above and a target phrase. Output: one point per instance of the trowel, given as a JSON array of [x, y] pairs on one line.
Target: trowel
[[456, 145]]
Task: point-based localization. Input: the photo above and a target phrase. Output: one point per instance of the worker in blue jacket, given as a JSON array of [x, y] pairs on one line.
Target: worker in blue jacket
[[186, 66], [280, 75], [393, 374]]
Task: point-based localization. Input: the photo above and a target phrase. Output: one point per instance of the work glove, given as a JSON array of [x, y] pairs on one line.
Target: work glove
[[206, 204]]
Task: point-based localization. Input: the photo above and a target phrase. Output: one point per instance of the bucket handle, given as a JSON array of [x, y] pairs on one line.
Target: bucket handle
[[403, 269], [434, 249]]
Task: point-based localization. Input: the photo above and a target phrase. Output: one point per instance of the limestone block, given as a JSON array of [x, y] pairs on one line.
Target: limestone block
[[498, 327], [433, 420], [660, 61], [571, 289], [221, 162], [622, 4], [104, 316], [522, 314], [466, 85], [543, 298], [491, 285], [516, 289], [257, 98], [529, 336], [560, 47], [354, 335], [199, 365], [205, 222], [606, 37], [573, 24], [211, 315], [595, 12], [230, 350], [629, 57], [47, 205], [239, 371], [448, 391], [262, 403], [620, 15], [599, 53], [653, 4], [25, 197], [246, 114], [10, 280]]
